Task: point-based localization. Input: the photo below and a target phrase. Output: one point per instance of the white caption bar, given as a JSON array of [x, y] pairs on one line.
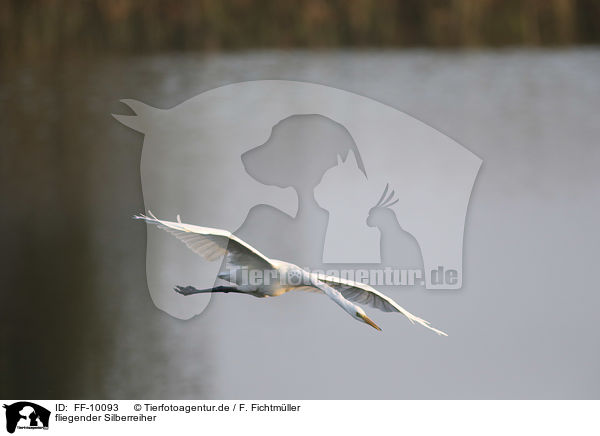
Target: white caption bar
[[250, 417]]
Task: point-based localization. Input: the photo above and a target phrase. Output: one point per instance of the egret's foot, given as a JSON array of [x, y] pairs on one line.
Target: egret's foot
[[187, 290]]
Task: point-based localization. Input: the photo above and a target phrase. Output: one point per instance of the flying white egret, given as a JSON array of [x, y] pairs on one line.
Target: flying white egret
[[278, 277]]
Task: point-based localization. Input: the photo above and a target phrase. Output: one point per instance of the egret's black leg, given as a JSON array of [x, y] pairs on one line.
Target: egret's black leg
[[190, 290]]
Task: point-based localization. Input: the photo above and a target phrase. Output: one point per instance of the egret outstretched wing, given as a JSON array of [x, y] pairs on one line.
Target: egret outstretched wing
[[364, 294], [213, 244]]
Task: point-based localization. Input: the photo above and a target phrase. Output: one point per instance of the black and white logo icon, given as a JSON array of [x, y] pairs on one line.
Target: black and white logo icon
[[26, 415]]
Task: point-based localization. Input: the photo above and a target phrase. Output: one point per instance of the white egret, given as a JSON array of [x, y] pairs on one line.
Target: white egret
[[278, 277]]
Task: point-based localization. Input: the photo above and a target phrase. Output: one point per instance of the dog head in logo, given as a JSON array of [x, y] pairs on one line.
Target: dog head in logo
[[197, 162], [26, 414], [300, 149]]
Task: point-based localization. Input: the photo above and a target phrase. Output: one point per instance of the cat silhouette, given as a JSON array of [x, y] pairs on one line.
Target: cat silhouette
[[345, 192]]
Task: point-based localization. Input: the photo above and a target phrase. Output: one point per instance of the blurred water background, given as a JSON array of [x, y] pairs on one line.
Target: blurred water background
[[77, 320]]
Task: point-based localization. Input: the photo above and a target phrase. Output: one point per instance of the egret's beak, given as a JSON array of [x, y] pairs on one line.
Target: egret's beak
[[367, 320]]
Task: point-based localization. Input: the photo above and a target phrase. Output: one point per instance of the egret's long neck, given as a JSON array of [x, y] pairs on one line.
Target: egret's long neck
[[335, 295]]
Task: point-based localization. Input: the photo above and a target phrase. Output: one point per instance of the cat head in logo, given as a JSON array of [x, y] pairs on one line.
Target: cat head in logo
[[345, 186]]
